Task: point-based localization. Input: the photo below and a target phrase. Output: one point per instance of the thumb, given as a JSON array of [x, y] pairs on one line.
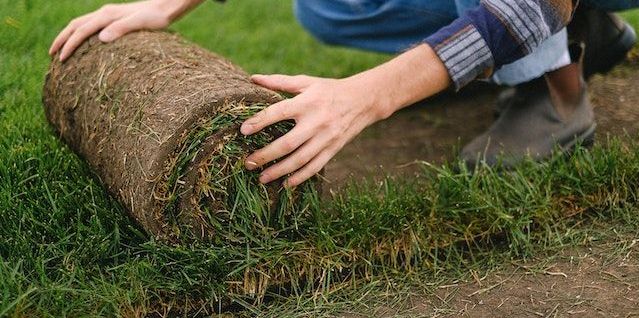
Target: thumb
[[283, 83]]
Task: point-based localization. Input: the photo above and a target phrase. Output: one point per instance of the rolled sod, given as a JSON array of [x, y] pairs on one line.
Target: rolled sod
[[157, 119]]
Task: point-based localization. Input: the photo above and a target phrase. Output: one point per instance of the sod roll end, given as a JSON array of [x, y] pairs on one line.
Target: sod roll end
[[157, 119]]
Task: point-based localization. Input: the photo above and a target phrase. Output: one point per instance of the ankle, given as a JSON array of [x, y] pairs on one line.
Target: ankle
[[566, 83], [566, 88]]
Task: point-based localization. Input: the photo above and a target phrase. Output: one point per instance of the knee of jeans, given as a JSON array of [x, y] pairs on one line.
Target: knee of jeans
[[321, 27]]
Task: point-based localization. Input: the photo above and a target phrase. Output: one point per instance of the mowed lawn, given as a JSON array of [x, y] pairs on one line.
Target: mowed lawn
[[68, 249]]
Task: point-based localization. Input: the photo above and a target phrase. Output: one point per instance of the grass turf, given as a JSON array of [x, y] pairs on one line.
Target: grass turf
[[66, 248]]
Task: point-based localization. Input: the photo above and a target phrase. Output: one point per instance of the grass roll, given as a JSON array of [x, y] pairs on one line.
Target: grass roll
[[157, 119]]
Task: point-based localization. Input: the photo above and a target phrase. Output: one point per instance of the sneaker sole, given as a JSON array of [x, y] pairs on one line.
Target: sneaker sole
[[585, 139]]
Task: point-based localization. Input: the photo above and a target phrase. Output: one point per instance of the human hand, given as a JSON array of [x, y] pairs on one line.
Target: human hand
[[328, 113], [116, 20]]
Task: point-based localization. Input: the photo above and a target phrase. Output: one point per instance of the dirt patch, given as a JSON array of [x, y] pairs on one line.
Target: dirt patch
[[582, 282], [578, 283], [436, 129], [429, 131]]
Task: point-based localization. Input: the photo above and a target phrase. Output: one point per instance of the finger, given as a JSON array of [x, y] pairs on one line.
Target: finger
[[312, 168], [270, 115], [279, 148], [82, 33], [120, 27], [295, 161], [283, 83], [66, 33]]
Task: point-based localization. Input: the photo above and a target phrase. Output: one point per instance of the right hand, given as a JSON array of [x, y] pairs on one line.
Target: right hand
[[115, 20]]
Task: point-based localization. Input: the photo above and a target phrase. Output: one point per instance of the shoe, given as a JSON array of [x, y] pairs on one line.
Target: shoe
[[607, 39], [532, 126]]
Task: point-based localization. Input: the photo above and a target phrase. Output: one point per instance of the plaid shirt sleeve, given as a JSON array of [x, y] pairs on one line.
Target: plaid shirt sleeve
[[496, 33]]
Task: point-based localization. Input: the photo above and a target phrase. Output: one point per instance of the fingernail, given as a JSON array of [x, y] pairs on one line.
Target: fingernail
[[106, 36], [250, 165], [245, 129], [256, 77]]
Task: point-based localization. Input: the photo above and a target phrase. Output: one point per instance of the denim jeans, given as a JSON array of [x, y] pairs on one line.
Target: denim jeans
[[395, 25]]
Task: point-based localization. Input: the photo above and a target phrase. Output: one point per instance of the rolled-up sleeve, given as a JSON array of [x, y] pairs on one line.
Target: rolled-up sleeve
[[496, 33]]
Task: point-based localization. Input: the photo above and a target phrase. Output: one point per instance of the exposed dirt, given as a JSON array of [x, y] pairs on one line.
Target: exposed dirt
[[429, 131], [584, 282], [436, 129], [578, 282]]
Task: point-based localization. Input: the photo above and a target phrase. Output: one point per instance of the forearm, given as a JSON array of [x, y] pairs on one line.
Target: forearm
[[408, 78], [177, 8]]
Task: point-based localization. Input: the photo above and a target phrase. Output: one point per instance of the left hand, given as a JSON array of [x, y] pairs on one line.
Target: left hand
[[328, 113]]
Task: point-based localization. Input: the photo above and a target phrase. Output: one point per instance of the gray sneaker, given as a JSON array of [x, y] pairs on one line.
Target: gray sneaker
[[531, 126]]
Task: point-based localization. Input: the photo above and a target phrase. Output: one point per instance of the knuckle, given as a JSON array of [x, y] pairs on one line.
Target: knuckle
[[263, 114], [300, 160], [286, 112], [108, 8], [325, 125], [278, 172], [75, 22], [335, 134], [82, 29], [288, 145]]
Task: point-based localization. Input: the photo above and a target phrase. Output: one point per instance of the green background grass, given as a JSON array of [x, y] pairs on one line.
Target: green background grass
[[66, 248]]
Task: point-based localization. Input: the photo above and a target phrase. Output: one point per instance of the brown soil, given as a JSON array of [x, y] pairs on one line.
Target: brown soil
[[583, 282], [436, 129], [579, 282]]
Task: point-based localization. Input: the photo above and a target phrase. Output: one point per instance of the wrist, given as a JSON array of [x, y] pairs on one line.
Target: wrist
[[373, 89], [368, 90], [408, 78]]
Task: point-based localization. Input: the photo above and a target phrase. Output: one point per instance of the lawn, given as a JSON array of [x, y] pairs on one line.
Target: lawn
[[68, 249]]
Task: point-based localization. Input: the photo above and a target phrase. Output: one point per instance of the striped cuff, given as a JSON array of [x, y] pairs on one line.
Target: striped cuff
[[525, 21], [465, 54]]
